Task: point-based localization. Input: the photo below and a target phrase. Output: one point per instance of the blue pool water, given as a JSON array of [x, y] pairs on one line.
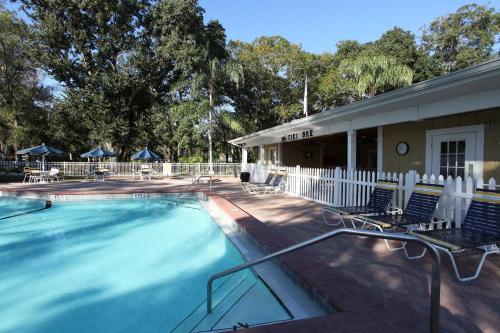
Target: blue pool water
[[15, 206], [122, 265]]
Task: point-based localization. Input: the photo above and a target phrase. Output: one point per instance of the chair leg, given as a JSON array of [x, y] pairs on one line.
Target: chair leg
[[486, 253], [376, 226], [341, 219], [418, 256]]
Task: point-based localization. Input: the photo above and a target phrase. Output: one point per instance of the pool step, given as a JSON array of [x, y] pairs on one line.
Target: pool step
[[224, 297], [213, 320]]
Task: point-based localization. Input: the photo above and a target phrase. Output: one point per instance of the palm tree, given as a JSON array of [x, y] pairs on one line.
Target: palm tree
[[218, 73], [371, 75]]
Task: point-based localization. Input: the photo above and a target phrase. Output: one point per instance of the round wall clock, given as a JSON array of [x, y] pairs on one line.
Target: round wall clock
[[402, 148]]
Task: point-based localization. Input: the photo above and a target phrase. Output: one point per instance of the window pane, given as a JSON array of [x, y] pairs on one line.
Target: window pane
[[453, 147], [461, 147], [451, 172], [442, 171], [461, 160], [460, 172], [444, 147], [444, 160], [452, 159]]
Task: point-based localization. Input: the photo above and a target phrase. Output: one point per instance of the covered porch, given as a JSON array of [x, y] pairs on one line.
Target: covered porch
[[447, 126]]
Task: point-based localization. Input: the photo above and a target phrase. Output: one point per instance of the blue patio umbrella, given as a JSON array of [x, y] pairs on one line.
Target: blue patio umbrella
[[145, 154], [98, 153], [41, 150]]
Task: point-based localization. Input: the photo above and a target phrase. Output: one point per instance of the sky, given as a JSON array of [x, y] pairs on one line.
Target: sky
[[319, 24]]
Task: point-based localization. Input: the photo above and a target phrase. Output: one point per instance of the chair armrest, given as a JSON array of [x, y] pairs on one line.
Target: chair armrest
[[394, 211]]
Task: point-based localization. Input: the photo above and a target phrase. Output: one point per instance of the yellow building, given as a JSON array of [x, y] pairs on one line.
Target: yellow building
[[449, 125]]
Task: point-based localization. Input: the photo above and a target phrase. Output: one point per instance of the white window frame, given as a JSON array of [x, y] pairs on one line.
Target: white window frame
[[477, 129]]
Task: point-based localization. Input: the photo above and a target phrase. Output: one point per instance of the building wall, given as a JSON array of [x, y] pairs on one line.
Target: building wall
[[294, 153], [414, 134]]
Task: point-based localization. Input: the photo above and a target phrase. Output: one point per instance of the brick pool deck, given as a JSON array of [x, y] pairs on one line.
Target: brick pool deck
[[373, 289]]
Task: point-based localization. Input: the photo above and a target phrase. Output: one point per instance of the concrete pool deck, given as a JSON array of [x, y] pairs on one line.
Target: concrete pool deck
[[374, 290]]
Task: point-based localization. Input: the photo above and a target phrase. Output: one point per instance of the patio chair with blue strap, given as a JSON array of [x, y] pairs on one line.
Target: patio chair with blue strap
[[378, 204], [277, 185], [480, 229], [418, 213], [247, 186]]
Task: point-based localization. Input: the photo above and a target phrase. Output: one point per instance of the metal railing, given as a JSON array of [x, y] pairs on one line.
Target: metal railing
[[397, 236], [193, 182], [219, 169]]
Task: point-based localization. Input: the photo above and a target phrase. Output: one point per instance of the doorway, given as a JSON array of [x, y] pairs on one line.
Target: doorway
[[455, 152]]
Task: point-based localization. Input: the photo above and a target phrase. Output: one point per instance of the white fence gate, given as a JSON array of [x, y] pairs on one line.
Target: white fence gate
[[340, 188]]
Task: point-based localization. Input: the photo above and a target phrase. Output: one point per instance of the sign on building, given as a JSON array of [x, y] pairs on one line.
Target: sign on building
[[298, 136]]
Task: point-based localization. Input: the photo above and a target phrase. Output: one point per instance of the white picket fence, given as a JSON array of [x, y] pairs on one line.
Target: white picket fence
[[340, 188], [80, 169]]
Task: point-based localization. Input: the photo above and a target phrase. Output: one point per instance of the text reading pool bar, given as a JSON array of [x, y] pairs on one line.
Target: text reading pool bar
[[435, 274]]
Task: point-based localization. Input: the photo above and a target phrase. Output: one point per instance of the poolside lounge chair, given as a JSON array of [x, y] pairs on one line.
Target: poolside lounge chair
[[378, 204], [35, 176], [143, 173], [276, 185], [246, 185], [480, 229], [418, 213], [53, 175], [155, 174], [27, 174]]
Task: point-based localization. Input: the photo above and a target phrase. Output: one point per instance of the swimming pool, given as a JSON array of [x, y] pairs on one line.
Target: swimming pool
[[10, 207], [123, 265]]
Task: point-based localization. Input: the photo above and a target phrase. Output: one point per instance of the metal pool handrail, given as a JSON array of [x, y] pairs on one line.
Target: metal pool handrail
[[197, 179], [398, 236]]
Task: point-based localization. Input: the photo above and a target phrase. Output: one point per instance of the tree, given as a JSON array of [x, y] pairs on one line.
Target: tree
[[219, 71], [227, 126], [24, 100], [123, 63], [399, 44], [464, 38], [274, 71], [90, 48], [372, 75]]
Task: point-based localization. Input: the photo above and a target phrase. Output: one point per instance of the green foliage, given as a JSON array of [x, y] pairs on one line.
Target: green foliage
[[463, 38], [192, 159], [138, 73], [23, 99], [371, 75]]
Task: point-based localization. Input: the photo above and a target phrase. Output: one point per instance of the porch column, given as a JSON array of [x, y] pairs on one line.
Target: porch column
[[262, 157], [351, 149], [380, 145], [280, 154], [244, 158]]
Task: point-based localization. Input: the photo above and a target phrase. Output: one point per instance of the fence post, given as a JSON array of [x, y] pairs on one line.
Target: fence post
[[411, 179], [167, 169], [297, 180], [336, 186]]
